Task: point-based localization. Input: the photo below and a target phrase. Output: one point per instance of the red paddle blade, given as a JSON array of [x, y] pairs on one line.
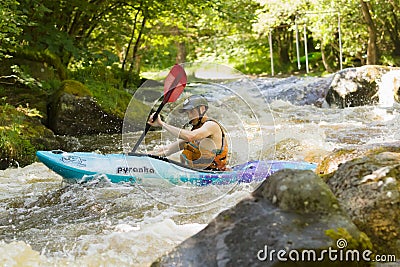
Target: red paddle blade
[[174, 83]]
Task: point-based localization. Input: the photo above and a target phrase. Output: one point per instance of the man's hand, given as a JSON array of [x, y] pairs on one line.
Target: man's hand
[[158, 152], [157, 122]]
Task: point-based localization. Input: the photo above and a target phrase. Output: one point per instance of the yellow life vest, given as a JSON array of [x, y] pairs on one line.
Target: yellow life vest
[[215, 159]]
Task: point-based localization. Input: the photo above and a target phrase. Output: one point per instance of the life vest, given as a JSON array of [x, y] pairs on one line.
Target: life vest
[[215, 159]]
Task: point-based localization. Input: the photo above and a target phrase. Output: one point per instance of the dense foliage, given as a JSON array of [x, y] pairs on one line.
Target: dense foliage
[[94, 39], [21, 135]]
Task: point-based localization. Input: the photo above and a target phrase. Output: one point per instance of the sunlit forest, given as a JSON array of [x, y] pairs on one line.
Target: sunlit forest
[[116, 41]]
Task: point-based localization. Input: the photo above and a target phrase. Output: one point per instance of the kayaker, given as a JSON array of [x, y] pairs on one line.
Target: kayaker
[[204, 146]]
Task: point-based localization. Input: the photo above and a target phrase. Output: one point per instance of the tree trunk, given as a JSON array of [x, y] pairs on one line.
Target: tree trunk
[[392, 25], [325, 59], [130, 40], [180, 45], [396, 50], [283, 42], [136, 47], [181, 55], [372, 50], [135, 63]]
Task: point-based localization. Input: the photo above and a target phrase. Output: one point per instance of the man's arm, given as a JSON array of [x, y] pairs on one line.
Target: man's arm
[[208, 129], [170, 149]]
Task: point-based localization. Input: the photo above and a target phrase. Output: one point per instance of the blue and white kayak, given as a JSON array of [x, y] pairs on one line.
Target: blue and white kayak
[[137, 167]]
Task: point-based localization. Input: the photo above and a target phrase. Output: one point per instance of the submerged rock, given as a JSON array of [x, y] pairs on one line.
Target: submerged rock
[[292, 211], [368, 189]]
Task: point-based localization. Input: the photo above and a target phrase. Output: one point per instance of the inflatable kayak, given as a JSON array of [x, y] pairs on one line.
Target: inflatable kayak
[[137, 167]]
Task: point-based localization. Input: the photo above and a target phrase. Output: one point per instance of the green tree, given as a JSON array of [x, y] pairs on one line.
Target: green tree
[[195, 30], [338, 27], [386, 18], [11, 20], [280, 18], [154, 34], [367, 31], [372, 49], [391, 22]]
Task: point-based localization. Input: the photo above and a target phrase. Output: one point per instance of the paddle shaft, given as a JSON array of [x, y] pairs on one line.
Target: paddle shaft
[[165, 100], [147, 128]]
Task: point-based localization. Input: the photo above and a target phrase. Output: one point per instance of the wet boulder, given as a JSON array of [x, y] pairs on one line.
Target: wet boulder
[[360, 86], [292, 211], [368, 188], [74, 110], [296, 90]]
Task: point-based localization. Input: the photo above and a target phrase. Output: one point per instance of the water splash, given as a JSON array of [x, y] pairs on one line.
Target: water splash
[[388, 87]]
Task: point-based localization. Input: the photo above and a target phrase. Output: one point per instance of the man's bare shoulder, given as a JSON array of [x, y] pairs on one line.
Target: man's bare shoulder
[[212, 125]]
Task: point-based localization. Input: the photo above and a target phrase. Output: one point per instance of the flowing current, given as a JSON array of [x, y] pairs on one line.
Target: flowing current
[[46, 222]]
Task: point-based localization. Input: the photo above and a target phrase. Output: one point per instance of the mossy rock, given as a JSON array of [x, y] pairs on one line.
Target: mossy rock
[[74, 88], [291, 210], [21, 135], [361, 243], [77, 109], [115, 101], [368, 188]]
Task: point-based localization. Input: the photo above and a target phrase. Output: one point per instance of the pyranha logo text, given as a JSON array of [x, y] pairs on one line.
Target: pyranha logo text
[[126, 170]]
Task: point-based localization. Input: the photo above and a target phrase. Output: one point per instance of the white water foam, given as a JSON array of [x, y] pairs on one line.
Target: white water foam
[[388, 87], [124, 246]]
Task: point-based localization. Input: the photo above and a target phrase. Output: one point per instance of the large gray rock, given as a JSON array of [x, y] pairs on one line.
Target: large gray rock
[[290, 211], [368, 189], [296, 90], [358, 86]]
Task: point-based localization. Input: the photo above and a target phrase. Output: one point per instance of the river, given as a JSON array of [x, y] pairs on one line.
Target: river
[[46, 222]]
